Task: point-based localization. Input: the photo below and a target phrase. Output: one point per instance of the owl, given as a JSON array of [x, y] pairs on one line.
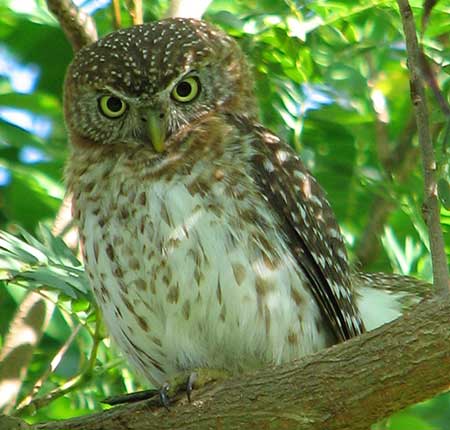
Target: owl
[[205, 239]]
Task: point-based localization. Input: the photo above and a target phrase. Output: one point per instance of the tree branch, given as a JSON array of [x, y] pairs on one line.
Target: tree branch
[[117, 18], [80, 28], [431, 202], [432, 82], [347, 386], [136, 11]]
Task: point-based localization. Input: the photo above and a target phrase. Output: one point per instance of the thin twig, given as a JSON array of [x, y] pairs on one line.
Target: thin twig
[[117, 17], [431, 203], [78, 26], [72, 384], [432, 82], [136, 11]]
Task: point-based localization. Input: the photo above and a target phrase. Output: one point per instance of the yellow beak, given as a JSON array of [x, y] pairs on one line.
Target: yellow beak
[[156, 129]]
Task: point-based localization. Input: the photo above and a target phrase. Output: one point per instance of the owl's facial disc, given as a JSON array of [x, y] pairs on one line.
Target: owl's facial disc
[[151, 119], [186, 70]]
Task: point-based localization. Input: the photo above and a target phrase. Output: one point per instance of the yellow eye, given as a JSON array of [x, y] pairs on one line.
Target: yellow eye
[[112, 106], [186, 90]]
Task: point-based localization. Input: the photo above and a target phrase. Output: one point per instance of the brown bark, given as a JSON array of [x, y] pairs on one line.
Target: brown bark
[[117, 17], [80, 28], [136, 11], [431, 202], [348, 386]]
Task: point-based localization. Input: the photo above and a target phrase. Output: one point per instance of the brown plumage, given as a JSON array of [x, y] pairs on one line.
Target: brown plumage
[[205, 239]]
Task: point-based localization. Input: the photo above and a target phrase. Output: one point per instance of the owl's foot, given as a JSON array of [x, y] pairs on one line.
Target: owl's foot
[[202, 376], [183, 381], [187, 381]]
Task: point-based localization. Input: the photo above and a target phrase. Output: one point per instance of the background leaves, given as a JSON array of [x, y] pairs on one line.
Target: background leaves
[[331, 79]]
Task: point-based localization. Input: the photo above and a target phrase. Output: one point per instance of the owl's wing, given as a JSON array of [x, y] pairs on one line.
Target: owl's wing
[[310, 227]]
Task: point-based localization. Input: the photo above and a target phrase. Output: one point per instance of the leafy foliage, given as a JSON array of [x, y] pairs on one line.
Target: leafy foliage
[[331, 79], [49, 263]]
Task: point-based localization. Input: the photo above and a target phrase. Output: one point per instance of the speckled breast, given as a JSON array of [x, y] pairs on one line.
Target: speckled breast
[[188, 275]]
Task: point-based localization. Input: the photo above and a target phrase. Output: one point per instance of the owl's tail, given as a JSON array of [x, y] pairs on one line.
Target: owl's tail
[[382, 298]]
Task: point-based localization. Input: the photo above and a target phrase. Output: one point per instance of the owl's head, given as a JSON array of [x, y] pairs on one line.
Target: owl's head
[[143, 84]]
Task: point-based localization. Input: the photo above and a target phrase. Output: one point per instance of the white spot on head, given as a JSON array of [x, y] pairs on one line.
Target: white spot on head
[[341, 254], [268, 166], [299, 175], [282, 155], [334, 233], [302, 212], [313, 198], [270, 138]]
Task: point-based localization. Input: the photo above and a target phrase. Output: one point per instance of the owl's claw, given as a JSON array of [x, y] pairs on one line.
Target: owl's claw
[[164, 395], [167, 391], [190, 384], [200, 377]]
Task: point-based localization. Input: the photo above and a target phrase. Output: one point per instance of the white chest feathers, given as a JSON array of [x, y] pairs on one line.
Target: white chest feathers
[[189, 276]]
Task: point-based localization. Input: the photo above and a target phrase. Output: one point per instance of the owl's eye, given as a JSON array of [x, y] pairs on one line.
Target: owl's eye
[[186, 90], [112, 106]]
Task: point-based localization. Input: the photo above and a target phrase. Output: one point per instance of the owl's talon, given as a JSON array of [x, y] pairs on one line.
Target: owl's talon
[[190, 384], [164, 396]]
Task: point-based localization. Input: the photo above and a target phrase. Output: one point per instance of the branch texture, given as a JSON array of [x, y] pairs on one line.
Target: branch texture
[[431, 203], [136, 11], [78, 27], [348, 386]]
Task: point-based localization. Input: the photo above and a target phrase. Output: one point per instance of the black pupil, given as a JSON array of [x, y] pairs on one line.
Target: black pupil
[[114, 104], [184, 89]]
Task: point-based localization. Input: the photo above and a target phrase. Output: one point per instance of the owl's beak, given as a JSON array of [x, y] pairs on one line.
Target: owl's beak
[[156, 129]]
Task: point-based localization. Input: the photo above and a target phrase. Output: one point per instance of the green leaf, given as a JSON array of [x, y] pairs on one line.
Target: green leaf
[[444, 192], [80, 305], [42, 263], [404, 421], [37, 102]]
